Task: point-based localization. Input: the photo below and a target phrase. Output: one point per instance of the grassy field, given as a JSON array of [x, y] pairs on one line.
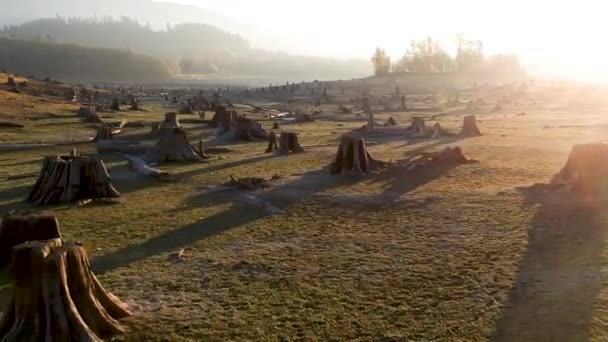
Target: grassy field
[[460, 254]]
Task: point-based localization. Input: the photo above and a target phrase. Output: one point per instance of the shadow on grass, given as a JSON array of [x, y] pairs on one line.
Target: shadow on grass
[[16, 193], [284, 196], [5, 291], [560, 274]]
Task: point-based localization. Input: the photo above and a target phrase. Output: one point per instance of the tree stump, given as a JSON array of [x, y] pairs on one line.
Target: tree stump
[[56, 297], [272, 143], [289, 143], [134, 103], [115, 106], [89, 114], [417, 127], [275, 125], [172, 146], [438, 131], [224, 119], [18, 227], [103, 133], [469, 127], [586, 169], [353, 158], [248, 129], [71, 178], [11, 81], [390, 122]]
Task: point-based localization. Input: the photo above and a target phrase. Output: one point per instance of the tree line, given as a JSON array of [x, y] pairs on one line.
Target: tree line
[[429, 56]]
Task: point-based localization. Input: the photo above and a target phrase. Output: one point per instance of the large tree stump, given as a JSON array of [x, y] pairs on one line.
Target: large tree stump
[[11, 82], [134, 103], [418, 126], [248, 129], [586, 169], [289, 143], [170, 122], [115, 106], [224, 119], [70, 179], [469, 127], [272, 143], [353, 157], [438, 131], [56, 297], [89, 114], [173, 145], [18, 227], [103, 133]]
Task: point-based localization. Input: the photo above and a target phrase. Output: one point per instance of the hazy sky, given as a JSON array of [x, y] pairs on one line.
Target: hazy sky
[[562, 34]]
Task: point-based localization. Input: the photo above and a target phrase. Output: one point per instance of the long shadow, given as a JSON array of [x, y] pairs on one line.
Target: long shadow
[[285, 195], [399, 182], [19, 192], [213, 168], [560, 274]]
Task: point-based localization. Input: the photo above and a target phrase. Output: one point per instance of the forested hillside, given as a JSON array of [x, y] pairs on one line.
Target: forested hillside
[[72, 62]]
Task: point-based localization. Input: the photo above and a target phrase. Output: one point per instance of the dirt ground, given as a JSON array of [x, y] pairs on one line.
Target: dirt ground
[[467, 253]]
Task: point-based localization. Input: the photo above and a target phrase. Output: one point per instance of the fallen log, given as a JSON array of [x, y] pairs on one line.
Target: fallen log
[[139, 165]]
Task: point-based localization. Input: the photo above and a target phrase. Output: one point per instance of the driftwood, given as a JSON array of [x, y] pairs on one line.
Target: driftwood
[[353, 158], [247, 183], [139, 165], [71, 178], [114, 145], [345, 110], [56, 297], [18, 227], [469, 127], [586, 169], [172, 146]]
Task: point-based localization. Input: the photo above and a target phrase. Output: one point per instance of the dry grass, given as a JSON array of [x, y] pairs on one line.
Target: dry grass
[[457, 254]]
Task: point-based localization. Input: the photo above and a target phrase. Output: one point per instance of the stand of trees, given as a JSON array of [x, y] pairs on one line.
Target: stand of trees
[[428, 56]]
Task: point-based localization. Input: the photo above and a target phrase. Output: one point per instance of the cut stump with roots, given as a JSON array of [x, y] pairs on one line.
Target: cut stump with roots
[[248, 129], [353, 158], [418, 127], [173, 145], [469, 127], [586, 169], [56, 297], [18, 227], [89, 114], [65, 179], [272, 143], [289, 143]]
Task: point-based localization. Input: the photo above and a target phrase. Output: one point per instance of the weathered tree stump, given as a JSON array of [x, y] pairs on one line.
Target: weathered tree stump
[[103, 133], [224, 119], [448, 156], [272, 143], [289, 143], [417, 127], [18, 227], [70, 179], [134, 103], [248, 129], [353, 157], [56, 297], [275, 125], [469, 127], [115, 106], [438, 131], [390, 122], [586, 169], [89, 114], [11, 82], [172, 146]]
